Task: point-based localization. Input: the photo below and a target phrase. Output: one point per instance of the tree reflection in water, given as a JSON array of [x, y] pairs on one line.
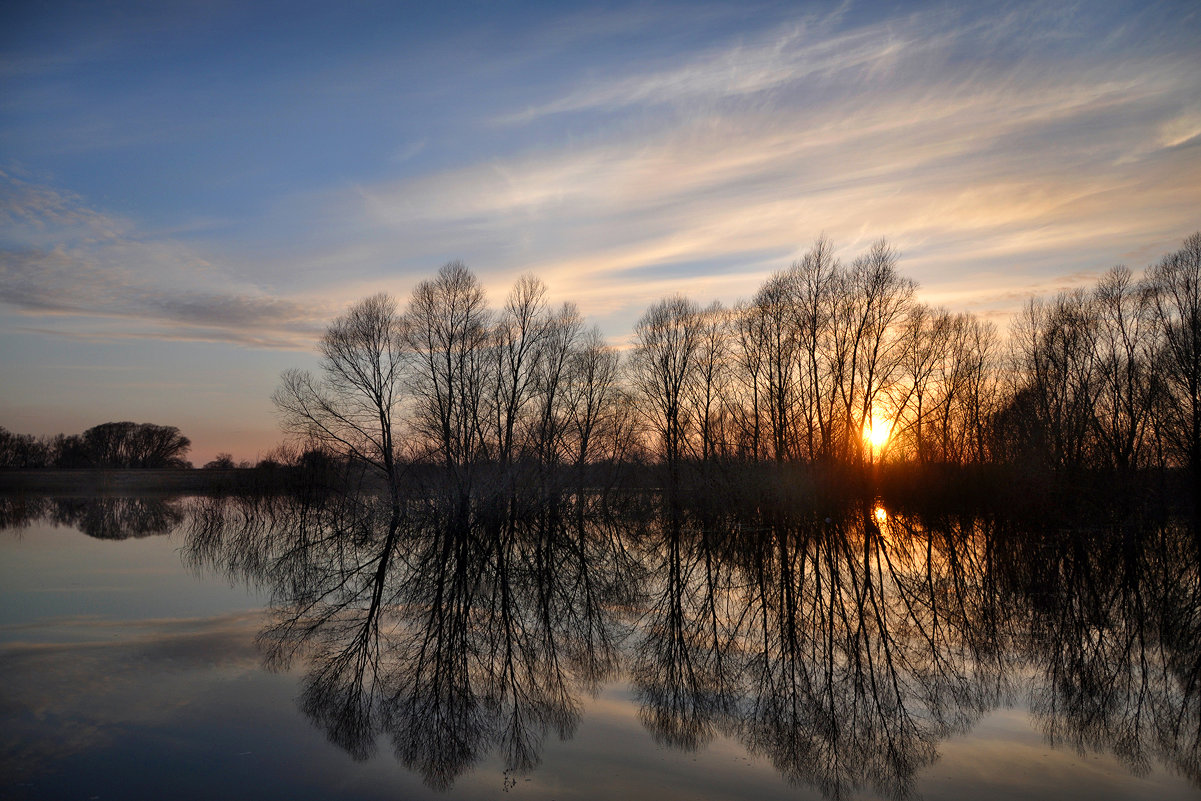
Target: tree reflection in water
[[1115, 632], [843, 648], [451, 634], [840, 654], [106, 517]]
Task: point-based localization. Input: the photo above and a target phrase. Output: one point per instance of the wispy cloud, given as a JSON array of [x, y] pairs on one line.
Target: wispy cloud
[[806, 56], [986, 145], [1006, 172], [785, 56], [62, 258]]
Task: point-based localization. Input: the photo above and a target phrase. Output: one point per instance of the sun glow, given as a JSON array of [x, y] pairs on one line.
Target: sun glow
[[876, 433]]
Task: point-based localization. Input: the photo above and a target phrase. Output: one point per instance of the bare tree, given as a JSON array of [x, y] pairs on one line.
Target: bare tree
[[447, 324], [773, 305], [817, 279], [879, 299], [1175, 286], [124, 444], [942, 399], [981, 398], [591, 393], [666, 345], [712, 380], [974, 395], [519, 342], [922, 343], [550, 418], [351, 407], [749, 380], [23, 450], [1124, 354], [1055, 365]]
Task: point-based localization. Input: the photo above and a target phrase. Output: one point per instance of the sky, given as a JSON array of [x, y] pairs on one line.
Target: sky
[[190, 192]]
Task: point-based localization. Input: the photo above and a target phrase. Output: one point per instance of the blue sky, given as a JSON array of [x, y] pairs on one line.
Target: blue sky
[[190, 191]]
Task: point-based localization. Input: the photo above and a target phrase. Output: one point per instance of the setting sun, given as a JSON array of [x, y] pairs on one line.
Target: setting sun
[[876, 433]]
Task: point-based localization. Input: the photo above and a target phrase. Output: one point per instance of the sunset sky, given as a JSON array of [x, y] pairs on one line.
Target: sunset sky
[[189, 192]]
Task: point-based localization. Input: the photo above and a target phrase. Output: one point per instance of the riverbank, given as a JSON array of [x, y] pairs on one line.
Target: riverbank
[[102, 481]]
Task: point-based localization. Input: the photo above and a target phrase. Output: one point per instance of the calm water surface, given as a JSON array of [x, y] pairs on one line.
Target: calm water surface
[[201, 648]]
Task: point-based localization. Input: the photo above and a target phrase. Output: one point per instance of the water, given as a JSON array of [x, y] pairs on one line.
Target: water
[[195, 648]]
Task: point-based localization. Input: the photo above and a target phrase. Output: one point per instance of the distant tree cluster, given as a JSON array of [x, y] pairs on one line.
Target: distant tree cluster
[[828, 363], [1109, 377], [804, 368], [452, 382], [122, 444], [225, 461], [23, 450]]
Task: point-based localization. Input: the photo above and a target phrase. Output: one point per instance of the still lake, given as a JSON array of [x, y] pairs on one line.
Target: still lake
[[327, 647]]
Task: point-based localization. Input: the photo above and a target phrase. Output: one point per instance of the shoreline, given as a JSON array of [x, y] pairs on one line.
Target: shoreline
[[126, 481]]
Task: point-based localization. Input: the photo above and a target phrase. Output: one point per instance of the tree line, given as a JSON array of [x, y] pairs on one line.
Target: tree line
[[828, 363], [123, 444]]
